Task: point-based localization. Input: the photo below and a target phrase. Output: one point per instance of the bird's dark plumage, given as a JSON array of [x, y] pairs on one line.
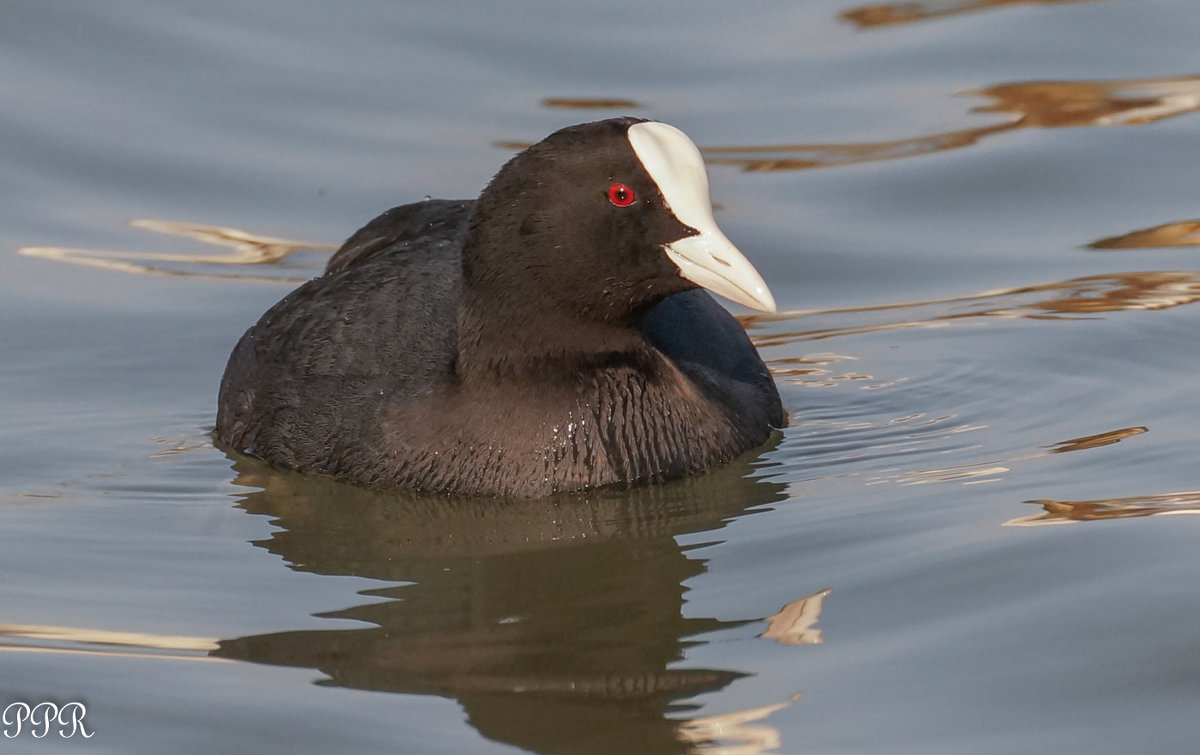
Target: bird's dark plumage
[[536, 340]]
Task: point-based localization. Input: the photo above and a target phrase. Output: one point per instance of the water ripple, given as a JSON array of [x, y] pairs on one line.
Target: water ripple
[[243, 248], [1069, 299], [1064, 512]]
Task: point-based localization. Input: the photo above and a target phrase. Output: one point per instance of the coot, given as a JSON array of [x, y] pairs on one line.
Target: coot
[[549, 336]]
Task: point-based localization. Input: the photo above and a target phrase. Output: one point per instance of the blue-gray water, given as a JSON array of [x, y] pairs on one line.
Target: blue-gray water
[[920, 184]]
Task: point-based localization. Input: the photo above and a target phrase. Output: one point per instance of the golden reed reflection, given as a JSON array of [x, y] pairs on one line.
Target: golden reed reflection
[[1064, 512], [242, 249], [1097, 441], [888, 14], [796, 622], [734, 733], [1030, 104], [1183, 233], [39, 638]]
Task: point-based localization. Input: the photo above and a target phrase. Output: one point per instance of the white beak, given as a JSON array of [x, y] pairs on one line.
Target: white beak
[[712, 261], [707, 259]]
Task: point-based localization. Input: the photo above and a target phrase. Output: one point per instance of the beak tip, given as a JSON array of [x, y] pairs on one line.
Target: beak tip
[[765, 301], [711, 261]]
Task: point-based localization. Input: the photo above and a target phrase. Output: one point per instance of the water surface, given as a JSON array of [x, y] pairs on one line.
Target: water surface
[[976, 534]]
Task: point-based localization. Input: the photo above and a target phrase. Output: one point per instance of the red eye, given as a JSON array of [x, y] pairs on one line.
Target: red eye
[[621, 195]]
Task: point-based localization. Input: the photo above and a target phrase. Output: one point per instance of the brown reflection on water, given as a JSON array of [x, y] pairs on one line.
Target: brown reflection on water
[[1097, 441], [594, 103], [887, 14], [1119, 102], [1183, 233], [557, 625], [1077, 297], [242, 249], [1062, 512], [804, 156], [1030, 104]]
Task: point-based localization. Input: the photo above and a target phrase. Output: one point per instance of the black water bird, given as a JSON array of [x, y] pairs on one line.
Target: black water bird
[[549, 336]]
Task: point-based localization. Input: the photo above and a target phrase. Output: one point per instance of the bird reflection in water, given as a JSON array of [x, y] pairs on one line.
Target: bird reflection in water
[[556, 624]]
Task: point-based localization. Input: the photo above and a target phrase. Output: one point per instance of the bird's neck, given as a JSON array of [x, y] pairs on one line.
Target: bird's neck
[[531, 345]]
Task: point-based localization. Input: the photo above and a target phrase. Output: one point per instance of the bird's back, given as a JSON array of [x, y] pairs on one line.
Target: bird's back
[[377, 328]]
